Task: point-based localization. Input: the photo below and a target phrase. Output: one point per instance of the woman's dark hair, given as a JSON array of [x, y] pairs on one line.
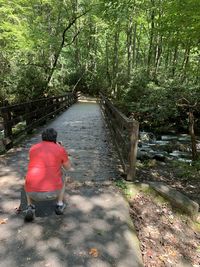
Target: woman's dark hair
[[49, 135]]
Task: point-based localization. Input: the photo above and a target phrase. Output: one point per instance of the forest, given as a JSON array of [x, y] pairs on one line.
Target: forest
[[143, 53]]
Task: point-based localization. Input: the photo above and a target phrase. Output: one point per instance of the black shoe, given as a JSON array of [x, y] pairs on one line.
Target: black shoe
[[59, 209], [30, 213]]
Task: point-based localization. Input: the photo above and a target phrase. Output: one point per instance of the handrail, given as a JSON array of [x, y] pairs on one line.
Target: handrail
[[32, 102], [124, 133], [32, 114]]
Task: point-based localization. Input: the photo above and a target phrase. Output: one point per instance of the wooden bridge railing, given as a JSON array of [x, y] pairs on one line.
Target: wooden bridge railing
[[32, 114], [124, 133]]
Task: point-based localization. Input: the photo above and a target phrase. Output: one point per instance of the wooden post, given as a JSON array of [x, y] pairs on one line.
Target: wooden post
[[133, 151], [6, 121], [75, 96], [57, 105], [29, 119], [6, 115]]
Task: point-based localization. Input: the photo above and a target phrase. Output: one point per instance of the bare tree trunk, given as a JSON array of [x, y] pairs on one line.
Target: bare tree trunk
[[134, 44], [137, 55], [76, 42], [174, 61], [186, 61], [115, 61], [158, 54], [107, 62], [129, 46], [150, 53], [193, 137], [92, 47], [167, 57]]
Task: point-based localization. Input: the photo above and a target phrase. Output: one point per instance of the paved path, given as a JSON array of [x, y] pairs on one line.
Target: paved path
[[95, 229]]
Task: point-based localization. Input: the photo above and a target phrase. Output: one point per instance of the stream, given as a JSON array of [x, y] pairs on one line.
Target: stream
[[169, 146]]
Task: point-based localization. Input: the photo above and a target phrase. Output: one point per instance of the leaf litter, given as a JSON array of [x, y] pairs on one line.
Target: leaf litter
[[166, 238]]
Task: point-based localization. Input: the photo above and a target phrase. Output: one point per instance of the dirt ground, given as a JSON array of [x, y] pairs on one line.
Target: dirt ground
[[167, 238], [174, 175]]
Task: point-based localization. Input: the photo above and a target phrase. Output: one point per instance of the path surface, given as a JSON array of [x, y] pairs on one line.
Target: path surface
[[96, 219]]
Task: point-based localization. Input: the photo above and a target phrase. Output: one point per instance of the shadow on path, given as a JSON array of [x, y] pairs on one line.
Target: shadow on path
[[96, 217]]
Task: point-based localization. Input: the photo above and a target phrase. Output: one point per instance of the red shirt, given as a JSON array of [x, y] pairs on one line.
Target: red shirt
[[44, 169]]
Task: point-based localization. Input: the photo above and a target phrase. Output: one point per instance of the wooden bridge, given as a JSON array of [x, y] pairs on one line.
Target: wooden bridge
[[25, 117], [97, 216]]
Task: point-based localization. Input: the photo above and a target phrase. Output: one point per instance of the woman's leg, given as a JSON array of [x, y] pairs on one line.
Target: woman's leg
[[60, 204], [29, 200], [61, 193]]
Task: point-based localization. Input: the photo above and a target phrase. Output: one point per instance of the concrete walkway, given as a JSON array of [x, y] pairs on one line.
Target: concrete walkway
[[95, 230]]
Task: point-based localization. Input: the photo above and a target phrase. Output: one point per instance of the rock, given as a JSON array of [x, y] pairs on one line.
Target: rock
[[143, 155], [177, 199], [159, 157], [168, 137]]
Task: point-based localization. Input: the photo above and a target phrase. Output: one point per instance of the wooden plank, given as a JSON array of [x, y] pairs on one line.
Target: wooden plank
[[124, 134]]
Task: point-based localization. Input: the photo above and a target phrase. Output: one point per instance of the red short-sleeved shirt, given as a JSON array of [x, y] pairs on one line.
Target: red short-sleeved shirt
[[44, 169]]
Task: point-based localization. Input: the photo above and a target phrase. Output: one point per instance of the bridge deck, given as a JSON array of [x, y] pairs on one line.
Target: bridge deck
[[96, 216]]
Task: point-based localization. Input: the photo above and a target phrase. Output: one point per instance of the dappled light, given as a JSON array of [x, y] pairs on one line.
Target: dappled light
[[94, 230], [119, 81]]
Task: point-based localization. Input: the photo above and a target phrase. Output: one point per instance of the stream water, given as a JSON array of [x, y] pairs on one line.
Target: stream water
[[169, 146]]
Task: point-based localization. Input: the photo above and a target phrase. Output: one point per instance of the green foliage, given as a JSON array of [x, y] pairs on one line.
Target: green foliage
[[31, 84], [121, 184], [187, 171], [143, 53], [137, 87]]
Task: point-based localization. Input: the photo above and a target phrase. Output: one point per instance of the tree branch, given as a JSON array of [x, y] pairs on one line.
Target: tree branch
[[74, 38], [62, 45]]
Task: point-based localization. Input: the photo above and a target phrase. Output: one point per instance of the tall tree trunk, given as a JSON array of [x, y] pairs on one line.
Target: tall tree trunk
[[129, 46], [115, 61], [167, 57], [158, 48], [134, 44], [192, 134], [107, 62], [92, 47], [76, 41], [137, 49], [186, 61], [174, 61], [158, 54], [152, 29]]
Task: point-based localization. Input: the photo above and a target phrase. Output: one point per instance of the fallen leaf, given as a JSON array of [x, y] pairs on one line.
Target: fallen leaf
[[94, 252], [4, 221], [162, 258]]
